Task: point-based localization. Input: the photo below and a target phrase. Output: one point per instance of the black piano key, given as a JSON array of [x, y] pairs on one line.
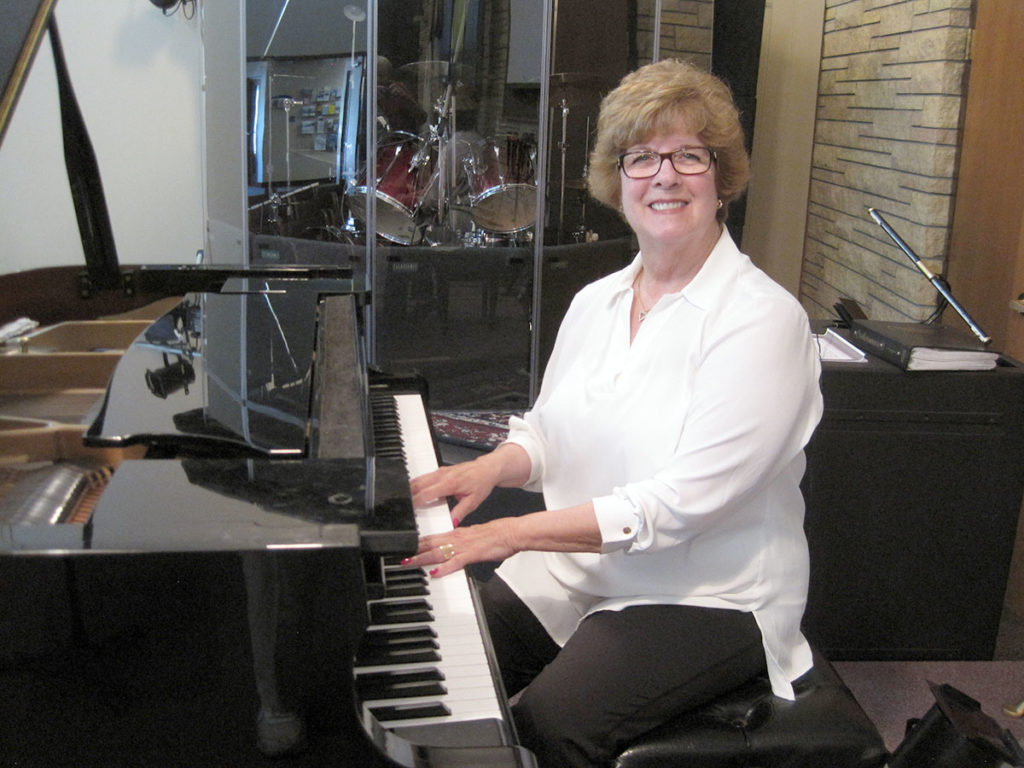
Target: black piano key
[[400, 685], [382, 656], [401, 612], [407, 590], [398, 635], [387, 438], [405, 577], [410, 711], [406, 585], [381, 647], [375, 656]]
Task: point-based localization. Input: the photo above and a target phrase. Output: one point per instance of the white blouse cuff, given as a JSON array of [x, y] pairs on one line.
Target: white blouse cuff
[[619, 520]]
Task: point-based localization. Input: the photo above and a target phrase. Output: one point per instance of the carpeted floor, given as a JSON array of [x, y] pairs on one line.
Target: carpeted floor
[[893, 692], [472, 429]]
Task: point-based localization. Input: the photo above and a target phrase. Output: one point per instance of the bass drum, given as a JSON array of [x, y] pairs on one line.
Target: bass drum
[[404, 175], [502, 183]]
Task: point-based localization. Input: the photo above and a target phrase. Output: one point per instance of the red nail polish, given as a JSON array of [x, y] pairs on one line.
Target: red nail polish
[[406, 561], [434, 572], [455, 523]]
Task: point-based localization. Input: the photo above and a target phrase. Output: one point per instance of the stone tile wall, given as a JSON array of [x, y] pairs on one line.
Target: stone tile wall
[[890, 101], [686, 30]]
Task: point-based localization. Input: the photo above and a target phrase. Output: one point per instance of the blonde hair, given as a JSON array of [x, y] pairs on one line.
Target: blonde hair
[[658, 98]]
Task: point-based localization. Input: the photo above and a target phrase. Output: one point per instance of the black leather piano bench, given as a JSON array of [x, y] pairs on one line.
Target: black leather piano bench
[[824, 727]]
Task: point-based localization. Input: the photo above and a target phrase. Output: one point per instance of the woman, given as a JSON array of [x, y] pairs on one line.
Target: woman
[[670, 564]]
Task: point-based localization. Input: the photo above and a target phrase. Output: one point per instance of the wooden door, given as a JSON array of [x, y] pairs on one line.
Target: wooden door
[[986, 258]]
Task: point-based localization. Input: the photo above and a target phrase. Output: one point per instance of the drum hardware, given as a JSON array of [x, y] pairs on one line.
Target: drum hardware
[[475, 237], [279, 204], [563, 146], [286, 105], [579, 185], [350, 225], [356, 15], [579, 88], [581, 234], [429, 81]]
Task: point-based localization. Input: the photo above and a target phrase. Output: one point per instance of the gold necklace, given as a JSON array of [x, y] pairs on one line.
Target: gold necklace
[[639, 299]]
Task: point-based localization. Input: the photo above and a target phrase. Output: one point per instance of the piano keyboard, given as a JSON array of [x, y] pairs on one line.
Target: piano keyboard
[[423, 661]]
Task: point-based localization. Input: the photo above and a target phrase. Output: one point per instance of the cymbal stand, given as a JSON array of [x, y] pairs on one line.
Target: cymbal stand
[[278, 201], [563, 146], [439, 138], [580, 233]]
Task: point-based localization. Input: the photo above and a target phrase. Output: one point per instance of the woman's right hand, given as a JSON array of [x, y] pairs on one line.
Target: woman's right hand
[[471, 482]]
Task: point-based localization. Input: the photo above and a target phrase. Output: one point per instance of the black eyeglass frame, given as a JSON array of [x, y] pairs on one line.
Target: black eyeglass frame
[[663, 156]]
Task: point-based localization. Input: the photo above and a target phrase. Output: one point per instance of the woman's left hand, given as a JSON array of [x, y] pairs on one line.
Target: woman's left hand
[[444, 553], [573, 529]]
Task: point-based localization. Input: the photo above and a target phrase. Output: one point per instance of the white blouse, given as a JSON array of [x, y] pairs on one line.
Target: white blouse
[[690, 443]]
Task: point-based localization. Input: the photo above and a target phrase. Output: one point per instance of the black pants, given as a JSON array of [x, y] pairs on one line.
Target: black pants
[[620, 674]]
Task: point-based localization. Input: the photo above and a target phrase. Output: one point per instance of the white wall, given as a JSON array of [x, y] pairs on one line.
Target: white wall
[[137, 77]]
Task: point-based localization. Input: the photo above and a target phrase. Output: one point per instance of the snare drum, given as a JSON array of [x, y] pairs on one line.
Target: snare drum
[[404, 173], [502, 184]]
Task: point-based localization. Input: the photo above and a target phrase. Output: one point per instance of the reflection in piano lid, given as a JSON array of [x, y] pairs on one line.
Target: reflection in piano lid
[[194, 505], [219, 370]]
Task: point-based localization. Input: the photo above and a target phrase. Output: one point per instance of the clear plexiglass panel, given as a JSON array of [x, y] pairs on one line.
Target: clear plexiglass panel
[[440, 148], [453, 196]]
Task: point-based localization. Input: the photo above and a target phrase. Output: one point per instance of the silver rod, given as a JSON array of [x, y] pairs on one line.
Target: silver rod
[[280, 18], [370, 311], [656, 53], [942, 289], [547, 32]]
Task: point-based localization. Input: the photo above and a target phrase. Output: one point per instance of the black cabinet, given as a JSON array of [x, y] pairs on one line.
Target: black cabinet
[[913, 490]]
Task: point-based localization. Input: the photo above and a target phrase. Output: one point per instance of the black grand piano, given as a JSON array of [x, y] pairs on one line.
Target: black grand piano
[[227, 593]]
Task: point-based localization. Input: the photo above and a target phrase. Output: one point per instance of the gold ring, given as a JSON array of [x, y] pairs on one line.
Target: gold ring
[[447, 551]]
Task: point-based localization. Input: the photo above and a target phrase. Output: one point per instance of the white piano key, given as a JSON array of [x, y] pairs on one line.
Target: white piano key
[[471, 690]]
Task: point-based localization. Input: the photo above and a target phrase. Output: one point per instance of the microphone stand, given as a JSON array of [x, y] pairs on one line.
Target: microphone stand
[[942, 289]]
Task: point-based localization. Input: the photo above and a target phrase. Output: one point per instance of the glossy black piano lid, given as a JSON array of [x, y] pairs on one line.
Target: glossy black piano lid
[[194, 505], [226, 370]]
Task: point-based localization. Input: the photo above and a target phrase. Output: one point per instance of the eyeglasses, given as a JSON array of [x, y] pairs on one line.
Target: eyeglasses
[[689, 161]]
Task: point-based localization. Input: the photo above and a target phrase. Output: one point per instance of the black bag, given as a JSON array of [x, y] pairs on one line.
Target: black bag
[[955, 733]]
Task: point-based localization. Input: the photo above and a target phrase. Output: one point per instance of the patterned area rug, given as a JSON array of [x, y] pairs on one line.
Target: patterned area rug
[[483, 430]]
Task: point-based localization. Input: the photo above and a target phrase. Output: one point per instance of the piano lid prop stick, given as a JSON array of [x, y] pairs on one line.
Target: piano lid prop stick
[[975, 328]]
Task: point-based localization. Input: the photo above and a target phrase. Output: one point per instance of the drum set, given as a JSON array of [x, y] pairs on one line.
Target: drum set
[[434, 182], [440, 187]]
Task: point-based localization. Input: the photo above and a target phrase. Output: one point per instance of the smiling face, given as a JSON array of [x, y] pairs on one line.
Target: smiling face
[[670, 211]]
